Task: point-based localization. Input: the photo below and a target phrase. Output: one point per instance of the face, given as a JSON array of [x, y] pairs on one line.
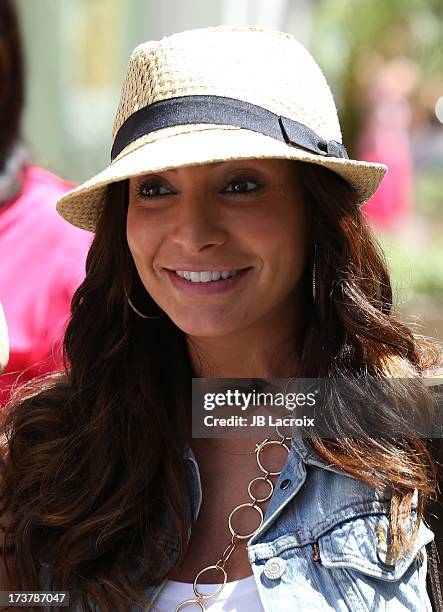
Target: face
[[189, 228]]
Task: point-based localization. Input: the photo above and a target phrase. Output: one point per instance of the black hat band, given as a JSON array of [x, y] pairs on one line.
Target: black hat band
[[220, 110]]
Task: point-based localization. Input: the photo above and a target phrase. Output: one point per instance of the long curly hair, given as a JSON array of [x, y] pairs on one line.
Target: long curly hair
[[94, 480]]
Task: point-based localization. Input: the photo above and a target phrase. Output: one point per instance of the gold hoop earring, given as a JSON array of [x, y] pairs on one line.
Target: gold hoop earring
[[137, 312]]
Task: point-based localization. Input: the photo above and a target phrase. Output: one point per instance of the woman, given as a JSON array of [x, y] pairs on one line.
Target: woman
[[37, 278], [226, 159]]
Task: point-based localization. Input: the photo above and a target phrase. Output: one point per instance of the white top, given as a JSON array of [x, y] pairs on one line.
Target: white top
[[236, 596]]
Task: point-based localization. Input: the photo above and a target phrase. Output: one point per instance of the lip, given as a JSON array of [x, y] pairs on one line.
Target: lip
[[205, 268], [220, 286]]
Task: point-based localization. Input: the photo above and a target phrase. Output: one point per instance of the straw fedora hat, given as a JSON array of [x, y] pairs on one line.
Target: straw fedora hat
[[216, 94]]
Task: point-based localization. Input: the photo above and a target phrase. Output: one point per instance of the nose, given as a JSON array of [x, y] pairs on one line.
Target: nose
[[198, 223]]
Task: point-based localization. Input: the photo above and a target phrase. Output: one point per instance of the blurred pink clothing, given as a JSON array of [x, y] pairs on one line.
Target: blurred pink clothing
[[42, 264], [392, 203], [385, 138]]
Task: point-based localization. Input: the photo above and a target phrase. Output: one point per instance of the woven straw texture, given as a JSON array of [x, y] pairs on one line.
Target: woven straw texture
[[251, 63]]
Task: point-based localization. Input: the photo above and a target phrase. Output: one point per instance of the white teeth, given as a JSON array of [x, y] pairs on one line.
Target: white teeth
[[206, 276]]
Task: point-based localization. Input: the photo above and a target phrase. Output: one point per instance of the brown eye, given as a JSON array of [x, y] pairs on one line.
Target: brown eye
[[150, 190], [240, 186]]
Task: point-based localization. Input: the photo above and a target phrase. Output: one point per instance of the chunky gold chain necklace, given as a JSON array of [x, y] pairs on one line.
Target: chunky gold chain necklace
[[219, 566]]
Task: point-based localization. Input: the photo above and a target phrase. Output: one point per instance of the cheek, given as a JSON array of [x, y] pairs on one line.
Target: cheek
[[294, 239], [294, 226], [283, 239], [138, 236]]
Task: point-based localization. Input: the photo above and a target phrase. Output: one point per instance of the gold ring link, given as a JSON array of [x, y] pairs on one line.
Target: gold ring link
[[190, 602], [258, 447], [227, 552], [245, 505], [268, 443], [282, 436], [201, 595], [262, 499]]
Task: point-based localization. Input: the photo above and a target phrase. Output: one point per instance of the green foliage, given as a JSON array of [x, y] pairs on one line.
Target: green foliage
[[352, 35], [351, 38], [415, 256], [429, 198], [416, 268]]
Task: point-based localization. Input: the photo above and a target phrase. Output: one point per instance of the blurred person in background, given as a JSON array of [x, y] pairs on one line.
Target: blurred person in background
[[385, 137], [42, 257]]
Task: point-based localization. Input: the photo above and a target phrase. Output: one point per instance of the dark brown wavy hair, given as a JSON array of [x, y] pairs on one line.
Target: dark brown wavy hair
[[93, 458], [11, 79]]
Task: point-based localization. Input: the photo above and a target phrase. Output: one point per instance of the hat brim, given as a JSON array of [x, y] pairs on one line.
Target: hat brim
[[182, 146]]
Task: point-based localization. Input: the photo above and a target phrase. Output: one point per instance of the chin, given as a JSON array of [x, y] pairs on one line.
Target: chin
[[205, 328]]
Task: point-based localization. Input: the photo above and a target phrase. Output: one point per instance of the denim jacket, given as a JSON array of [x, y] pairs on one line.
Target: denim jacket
[[321, 546]]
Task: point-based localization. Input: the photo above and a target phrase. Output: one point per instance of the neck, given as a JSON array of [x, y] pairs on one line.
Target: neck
[[270, 348]]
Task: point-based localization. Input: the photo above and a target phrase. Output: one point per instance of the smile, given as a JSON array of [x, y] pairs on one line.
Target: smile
[[207, 276], [207, 281]]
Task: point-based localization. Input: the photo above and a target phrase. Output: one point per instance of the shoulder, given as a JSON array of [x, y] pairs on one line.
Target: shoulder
[[333, 532], [59, 244], [38, 178], [41, 191]]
